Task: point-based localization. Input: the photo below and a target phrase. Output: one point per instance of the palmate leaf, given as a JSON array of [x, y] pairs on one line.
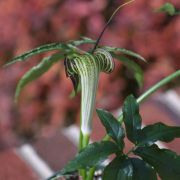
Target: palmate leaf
[[164, 161], [132, 118], [120, 169], [113, 127], [115, 50], [36, 72], [134, 67], [158, 132], [63, 47], [88, 157]]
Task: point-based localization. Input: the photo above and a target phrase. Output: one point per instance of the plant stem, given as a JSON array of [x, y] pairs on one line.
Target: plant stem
[[158, 85], [153, 89], [82, 172], [80, 140], [91, 174], [109, 21], [85, 141]]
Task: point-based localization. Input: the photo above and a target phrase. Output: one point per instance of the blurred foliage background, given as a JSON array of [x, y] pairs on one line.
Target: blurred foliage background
[[45, 105]]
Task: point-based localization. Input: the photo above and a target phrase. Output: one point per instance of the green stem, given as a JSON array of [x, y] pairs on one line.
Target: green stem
[[153, 89], [108, 22], [85, 141], [80, 140], [82, 172], [158, 86], [91, 174]]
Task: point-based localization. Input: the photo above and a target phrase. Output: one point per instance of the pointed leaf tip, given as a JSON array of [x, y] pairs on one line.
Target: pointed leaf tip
[[132, 118], [113, 127]]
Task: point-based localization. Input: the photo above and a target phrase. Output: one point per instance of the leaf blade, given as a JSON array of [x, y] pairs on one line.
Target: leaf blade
[[158, 132], [120, 168], [134, 67], [36, 72], [83, 40], [91, 155], [165, 162], [113, 127], [116, 50], [142, 170], [132, 118], [38, 50]]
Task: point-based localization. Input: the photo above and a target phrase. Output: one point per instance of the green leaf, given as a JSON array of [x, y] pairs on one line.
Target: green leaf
[[69, 47], [142, 170], [158, 132], [134, 67], [132, 118], [83, 40], [119, 169], [91, 156], [164, 161], [167, 8], [36, 72], [115, 50], [38, 50], [113, 127]]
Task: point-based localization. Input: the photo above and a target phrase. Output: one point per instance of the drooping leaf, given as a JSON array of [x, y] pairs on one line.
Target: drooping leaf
[[158, 132], [91, 155], [113, 127], [132, 118], [142, 170], [38, 50], [134, 67], [36, 72], [115, 50], [119, 169], [164, 161], [167, 8], [65, 48]]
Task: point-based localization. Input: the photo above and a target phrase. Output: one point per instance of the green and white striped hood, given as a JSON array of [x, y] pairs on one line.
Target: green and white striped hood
[[86, 68]]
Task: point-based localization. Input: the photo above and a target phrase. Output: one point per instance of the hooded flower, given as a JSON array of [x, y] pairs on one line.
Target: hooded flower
[[86, 69]]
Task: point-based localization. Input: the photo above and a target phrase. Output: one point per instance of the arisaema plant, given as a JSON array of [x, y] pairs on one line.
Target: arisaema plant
[[84, 68]]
